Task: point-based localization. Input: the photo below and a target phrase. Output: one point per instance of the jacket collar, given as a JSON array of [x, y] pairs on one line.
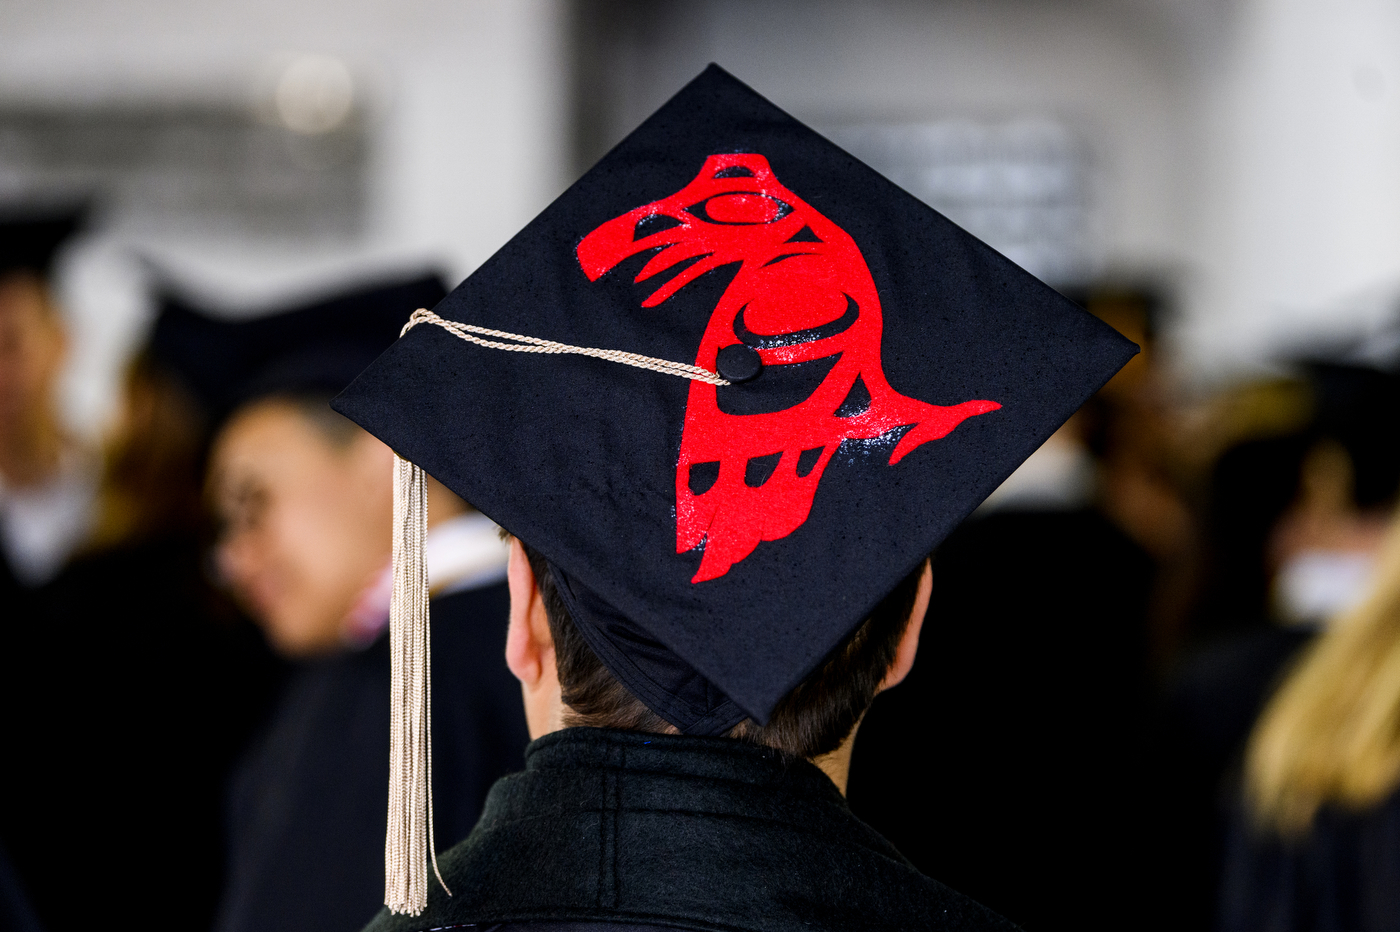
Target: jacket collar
[[682, 832], [680, 756]]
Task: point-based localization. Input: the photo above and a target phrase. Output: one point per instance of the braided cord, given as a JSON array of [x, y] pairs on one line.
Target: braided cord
[[525, 344], [409, 846]]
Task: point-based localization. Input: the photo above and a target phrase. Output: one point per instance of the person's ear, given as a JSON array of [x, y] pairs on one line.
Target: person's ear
[[909, 644], [529, 643]]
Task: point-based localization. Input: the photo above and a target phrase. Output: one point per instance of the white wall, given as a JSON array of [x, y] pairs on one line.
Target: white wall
[[1300, 232], [468, 101], [1248, 150], [1117, 72], [471, 93]]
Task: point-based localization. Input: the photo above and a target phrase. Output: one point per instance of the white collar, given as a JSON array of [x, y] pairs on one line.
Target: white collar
[[41, 526], [463, 553]]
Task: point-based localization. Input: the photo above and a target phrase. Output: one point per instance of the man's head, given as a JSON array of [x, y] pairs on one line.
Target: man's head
[[548, 388], [565, 684], [306, 502]]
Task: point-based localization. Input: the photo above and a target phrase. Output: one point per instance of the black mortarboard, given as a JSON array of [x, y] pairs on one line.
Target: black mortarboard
[[885, 372], [313, 347], [1351, 403], [30, 237]]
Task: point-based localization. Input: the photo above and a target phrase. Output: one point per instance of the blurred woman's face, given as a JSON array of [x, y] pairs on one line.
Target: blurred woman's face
[[31, 348], [306, 522]]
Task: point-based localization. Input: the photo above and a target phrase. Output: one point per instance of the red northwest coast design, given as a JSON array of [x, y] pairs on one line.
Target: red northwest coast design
[[802, 293]]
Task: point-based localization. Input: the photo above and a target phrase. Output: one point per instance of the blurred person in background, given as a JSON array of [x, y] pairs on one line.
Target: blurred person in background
[[1315, 842], [1324, 551], [1297, 503], [16, 913], [304, 498], [1036, 695], [130, 684], [48, 480], [1296, 514], [1130, 428], [133, 685]]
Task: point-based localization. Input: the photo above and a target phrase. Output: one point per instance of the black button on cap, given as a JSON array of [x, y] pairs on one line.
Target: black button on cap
[[738, 363]]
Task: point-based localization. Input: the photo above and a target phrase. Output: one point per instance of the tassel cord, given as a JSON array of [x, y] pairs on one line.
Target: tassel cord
[[409, 842], [527, 344]]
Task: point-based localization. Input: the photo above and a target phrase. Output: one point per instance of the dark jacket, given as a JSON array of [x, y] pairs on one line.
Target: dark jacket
[[679, 832], [1344, 876], [309, 804], [1029, 700], [130, 688]]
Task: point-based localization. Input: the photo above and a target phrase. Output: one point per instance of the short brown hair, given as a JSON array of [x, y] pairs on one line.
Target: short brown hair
[[810, 721]]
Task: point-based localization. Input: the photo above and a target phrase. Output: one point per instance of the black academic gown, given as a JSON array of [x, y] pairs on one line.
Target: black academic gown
[[129, 687], [11, 593], [1344, 877], [1009, 764], [622, 829], [16, 913], [308, 806], [1208, 710]]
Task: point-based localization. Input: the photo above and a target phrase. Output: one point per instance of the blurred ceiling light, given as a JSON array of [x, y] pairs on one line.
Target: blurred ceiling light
[[314, 94]]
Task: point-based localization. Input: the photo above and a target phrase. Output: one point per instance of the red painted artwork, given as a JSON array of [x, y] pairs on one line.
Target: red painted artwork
[[805, 305]]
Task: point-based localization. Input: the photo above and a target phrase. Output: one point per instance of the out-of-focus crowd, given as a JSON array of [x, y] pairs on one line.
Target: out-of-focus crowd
[[1162, 661]]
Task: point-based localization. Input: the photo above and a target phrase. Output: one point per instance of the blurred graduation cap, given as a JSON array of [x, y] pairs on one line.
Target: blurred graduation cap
[[1353, 380], [31, 236], [313, 347], [733, 385], [1353, 404]]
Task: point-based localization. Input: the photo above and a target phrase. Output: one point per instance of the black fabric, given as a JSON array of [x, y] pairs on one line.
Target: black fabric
[[14, 598], [129, 688], [30, 237], [16, 915], [584, 459], [682, 832], [1344, 877], [562, 927], [1251, 486], [315, 347], [307, 814], [1350, 401], [1209, 708], [1008, 764], [559, 927]]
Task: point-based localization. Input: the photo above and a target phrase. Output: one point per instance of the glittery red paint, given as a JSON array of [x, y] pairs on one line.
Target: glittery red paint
[[803, 294]]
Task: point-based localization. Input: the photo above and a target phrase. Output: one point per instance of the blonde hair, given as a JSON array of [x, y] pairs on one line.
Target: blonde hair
[[1331, 734]]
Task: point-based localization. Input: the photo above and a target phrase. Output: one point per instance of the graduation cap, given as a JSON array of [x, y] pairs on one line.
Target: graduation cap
[[733, 386], [315, 347], [30, 238], [1351, 401]]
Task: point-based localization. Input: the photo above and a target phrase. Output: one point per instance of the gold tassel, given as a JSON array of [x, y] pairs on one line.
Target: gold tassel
[[408, 845]]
